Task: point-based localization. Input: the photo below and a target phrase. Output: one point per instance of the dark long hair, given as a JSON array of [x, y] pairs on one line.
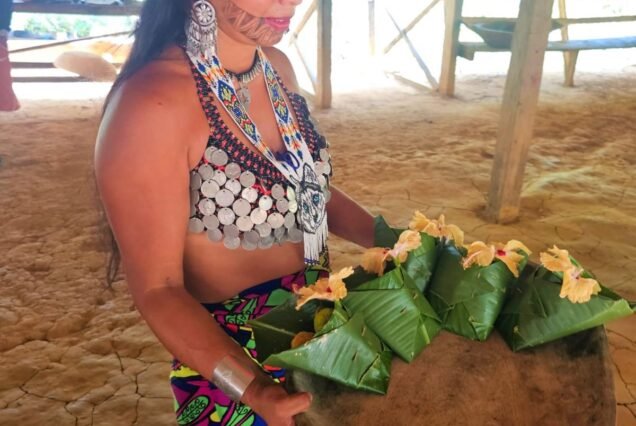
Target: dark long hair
[[161, 23]]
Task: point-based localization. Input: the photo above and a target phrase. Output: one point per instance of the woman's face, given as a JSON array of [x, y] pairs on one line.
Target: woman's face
[[260, 22]]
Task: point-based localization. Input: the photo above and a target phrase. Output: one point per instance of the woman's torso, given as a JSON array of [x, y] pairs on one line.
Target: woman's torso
[[212, 272]]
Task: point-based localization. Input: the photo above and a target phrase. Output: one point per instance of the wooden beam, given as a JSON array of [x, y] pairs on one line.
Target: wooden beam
[[306, 17], [564, 21], [323, 76], [410, 26], [414, 52], [77, 9], [46, 65], [452, 19], [569, 58], [63, 42], [50, 79], [519, 106]]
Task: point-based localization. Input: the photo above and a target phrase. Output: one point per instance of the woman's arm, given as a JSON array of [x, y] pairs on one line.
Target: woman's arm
[[141, 166]]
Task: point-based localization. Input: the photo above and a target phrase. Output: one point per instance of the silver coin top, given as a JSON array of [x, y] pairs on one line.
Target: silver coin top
[[193, 210], [206, 171], [279, 232], [290, 220], [210, 188], [224, 198], [211, 222], [226, 216], [324, 155], [252, 237], [241, 207], [195, 225], [234, 186], [231, 231], [219, 158], [207, 207], [219, 177], [265, 202], [282, 205], [208, 153], [194, 197], [293, 206], [322, 180], [195, 181], [215, 235], [326, 168], [232, 243], [276, 220], [250, 194], [258, 216], [264, 229], [247, 179], [233, 170], [248, 245], [266, 242], [295, 235], [244, 223], [278, 191], [291, 194]]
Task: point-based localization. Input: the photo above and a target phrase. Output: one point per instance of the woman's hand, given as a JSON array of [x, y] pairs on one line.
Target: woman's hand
[[270, 401]]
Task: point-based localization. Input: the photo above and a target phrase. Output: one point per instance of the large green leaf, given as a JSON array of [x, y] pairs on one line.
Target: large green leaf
[[468, 301], [395, 309], [345, 350], [535, 314], [421, 261]]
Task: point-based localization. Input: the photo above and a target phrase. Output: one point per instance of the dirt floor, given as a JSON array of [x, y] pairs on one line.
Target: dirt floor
[[75, 353]]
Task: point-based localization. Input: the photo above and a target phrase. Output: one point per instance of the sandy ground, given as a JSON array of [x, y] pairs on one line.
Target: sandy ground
[[75, 353]]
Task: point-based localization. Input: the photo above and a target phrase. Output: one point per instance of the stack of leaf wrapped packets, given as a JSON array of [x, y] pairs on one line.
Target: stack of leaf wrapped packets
[[322, 338], [554, 300]]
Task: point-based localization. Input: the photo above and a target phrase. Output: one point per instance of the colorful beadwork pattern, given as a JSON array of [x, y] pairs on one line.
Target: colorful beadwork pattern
[[196, 400]]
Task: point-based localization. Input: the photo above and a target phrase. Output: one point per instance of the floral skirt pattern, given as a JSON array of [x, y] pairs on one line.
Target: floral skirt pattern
[[196, 400]]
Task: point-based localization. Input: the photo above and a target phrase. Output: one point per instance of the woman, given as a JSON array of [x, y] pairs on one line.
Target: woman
[[214, 180]]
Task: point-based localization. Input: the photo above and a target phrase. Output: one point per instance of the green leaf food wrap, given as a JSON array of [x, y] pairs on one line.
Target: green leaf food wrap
[[345, 350], [535, 314], [395, 309], [468, 301], [420, 263]]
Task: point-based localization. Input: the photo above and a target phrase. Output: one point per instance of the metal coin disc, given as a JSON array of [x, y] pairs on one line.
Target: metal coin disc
[[248, 245], [244, 223], [219, 177], [224, 198], [291, 194], [231, 231], [247, 179], [280, 232], [193, 210], [258, 216], [324, 155], [208, 153], [266, 242], [252, 237], [215, 235], [322, 180], [295, 235], [264, 229], [195, 181], [250, 194], [276, 220], [232, 243], [211, 222], [195, 225], [226, 216], [207, 207], [233, 170], [278, 191], [210, 188], [327, 195], [290, 220], [241, 207], [206, 171], [234, 186], [318, 167], [265, 202], [293, 206], [326, 168], [219, 158], [194, 197], [282, 205]]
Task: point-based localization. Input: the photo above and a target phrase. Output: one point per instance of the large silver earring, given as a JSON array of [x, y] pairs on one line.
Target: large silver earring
[[201, 30]]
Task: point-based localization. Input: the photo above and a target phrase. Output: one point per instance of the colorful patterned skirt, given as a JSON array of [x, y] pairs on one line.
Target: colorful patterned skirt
[[196, 400]]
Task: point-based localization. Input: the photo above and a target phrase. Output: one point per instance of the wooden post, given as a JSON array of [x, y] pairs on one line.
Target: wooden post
[[452, 18], [323, 76], [372, 27], [569, 58], [8, 100], [518, 109]]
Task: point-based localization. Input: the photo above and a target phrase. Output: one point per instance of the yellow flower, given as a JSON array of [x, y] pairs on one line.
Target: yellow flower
[[575, 287], [332, 288], [437, 228], [556, 260], [409, 240], [483, 254], [374, 260]]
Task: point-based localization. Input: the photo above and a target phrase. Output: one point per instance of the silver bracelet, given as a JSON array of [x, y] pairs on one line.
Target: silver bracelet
[[232, 378]]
